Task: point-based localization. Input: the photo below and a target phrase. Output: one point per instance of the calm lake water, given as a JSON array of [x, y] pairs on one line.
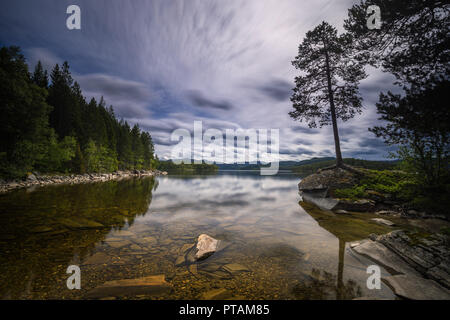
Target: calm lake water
[[135, 228]]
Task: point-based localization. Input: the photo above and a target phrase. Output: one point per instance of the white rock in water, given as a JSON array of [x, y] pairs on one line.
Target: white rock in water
[[206, 246], [383, 221]]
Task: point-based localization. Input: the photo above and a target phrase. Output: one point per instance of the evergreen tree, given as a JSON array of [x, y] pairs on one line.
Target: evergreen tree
[[53, 128], [24, 122], [328, 88], [413, 41], [40, 76]]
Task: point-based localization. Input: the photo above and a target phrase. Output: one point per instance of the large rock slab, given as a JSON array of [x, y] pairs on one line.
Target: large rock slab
[[381, 255], [206, 246], [318, 199], [416, 288], [151, 285]]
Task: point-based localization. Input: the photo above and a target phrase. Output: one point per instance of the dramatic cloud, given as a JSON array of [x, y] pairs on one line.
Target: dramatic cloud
[[129, 98], [166, 64], [197, 98]]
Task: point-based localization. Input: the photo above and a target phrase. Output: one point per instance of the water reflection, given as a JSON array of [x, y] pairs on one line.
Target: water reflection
[[44, 231], [275, 249]]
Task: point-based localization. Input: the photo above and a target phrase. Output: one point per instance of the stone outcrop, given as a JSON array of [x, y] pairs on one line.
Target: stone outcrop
[[34, 179], [317, 189], [415, 264]]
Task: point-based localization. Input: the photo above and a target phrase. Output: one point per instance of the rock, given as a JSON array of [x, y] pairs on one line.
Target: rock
[[80, 223], [412, 213], [31, 177], [386, 213], [374, 195], [41, 229], [216, 294], [354, 244], [362, 205], [151, 285], [319, 199], [206, 246], [235, 268], [327, 179], [98, 258], [341, 211], [117, 242], [416, 288], [193, 269], [181, 260], [383, 221], [384, 257]]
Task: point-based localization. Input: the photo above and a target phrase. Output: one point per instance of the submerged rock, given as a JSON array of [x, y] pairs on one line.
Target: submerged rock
[[206, 246], [235, 268], [151, 285], [216, 294]]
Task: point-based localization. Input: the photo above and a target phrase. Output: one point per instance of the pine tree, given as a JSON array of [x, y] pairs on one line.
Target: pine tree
[[40, 76], [327, 90]]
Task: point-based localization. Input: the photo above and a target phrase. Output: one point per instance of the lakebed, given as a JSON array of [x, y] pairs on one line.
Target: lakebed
[[139, 227]]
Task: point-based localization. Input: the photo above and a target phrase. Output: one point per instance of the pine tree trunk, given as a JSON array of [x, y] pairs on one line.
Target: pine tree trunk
[[337, 144]]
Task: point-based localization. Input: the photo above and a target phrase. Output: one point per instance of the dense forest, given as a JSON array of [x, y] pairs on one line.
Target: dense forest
[[48, 126]]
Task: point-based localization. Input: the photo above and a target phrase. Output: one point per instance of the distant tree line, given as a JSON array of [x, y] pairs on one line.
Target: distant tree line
[[187, 168], [47, 125]]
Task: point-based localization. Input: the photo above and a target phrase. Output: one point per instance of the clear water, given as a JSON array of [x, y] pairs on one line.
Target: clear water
[[135, 228]]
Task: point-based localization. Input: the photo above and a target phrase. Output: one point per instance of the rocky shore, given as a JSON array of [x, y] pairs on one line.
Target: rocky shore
[[419, 266], [318, 189], [36, 179]]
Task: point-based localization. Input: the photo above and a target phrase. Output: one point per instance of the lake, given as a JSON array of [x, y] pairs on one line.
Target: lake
[[139, 227]]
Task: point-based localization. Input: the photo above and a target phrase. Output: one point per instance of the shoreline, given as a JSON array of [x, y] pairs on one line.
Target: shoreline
[[45, 180]]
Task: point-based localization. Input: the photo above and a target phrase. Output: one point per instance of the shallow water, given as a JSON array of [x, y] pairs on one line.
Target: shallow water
[[135, 228]]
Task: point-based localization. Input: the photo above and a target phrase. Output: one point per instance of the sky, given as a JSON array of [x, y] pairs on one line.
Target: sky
[[164, 64]]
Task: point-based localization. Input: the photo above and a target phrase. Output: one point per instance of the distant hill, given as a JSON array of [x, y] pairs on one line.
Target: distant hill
[[310, 168], [284, 165]]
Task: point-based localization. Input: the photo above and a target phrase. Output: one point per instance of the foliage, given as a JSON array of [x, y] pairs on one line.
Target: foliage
[[328, 88], [420, 122], [413, 41], [49, 126], [185, 168]]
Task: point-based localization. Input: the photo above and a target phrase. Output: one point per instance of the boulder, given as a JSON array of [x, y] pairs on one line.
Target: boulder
[[206, 246], [31, 177], [328, 179]]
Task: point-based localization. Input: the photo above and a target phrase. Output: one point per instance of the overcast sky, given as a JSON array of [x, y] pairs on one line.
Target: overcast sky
[[164, 64]]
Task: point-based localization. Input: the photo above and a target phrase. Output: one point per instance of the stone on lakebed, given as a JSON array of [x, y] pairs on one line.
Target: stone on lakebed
[[206, 246], [150, 285]]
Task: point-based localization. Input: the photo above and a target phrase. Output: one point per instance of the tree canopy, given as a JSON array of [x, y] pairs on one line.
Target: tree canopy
[[327, 89], [48, 125]]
